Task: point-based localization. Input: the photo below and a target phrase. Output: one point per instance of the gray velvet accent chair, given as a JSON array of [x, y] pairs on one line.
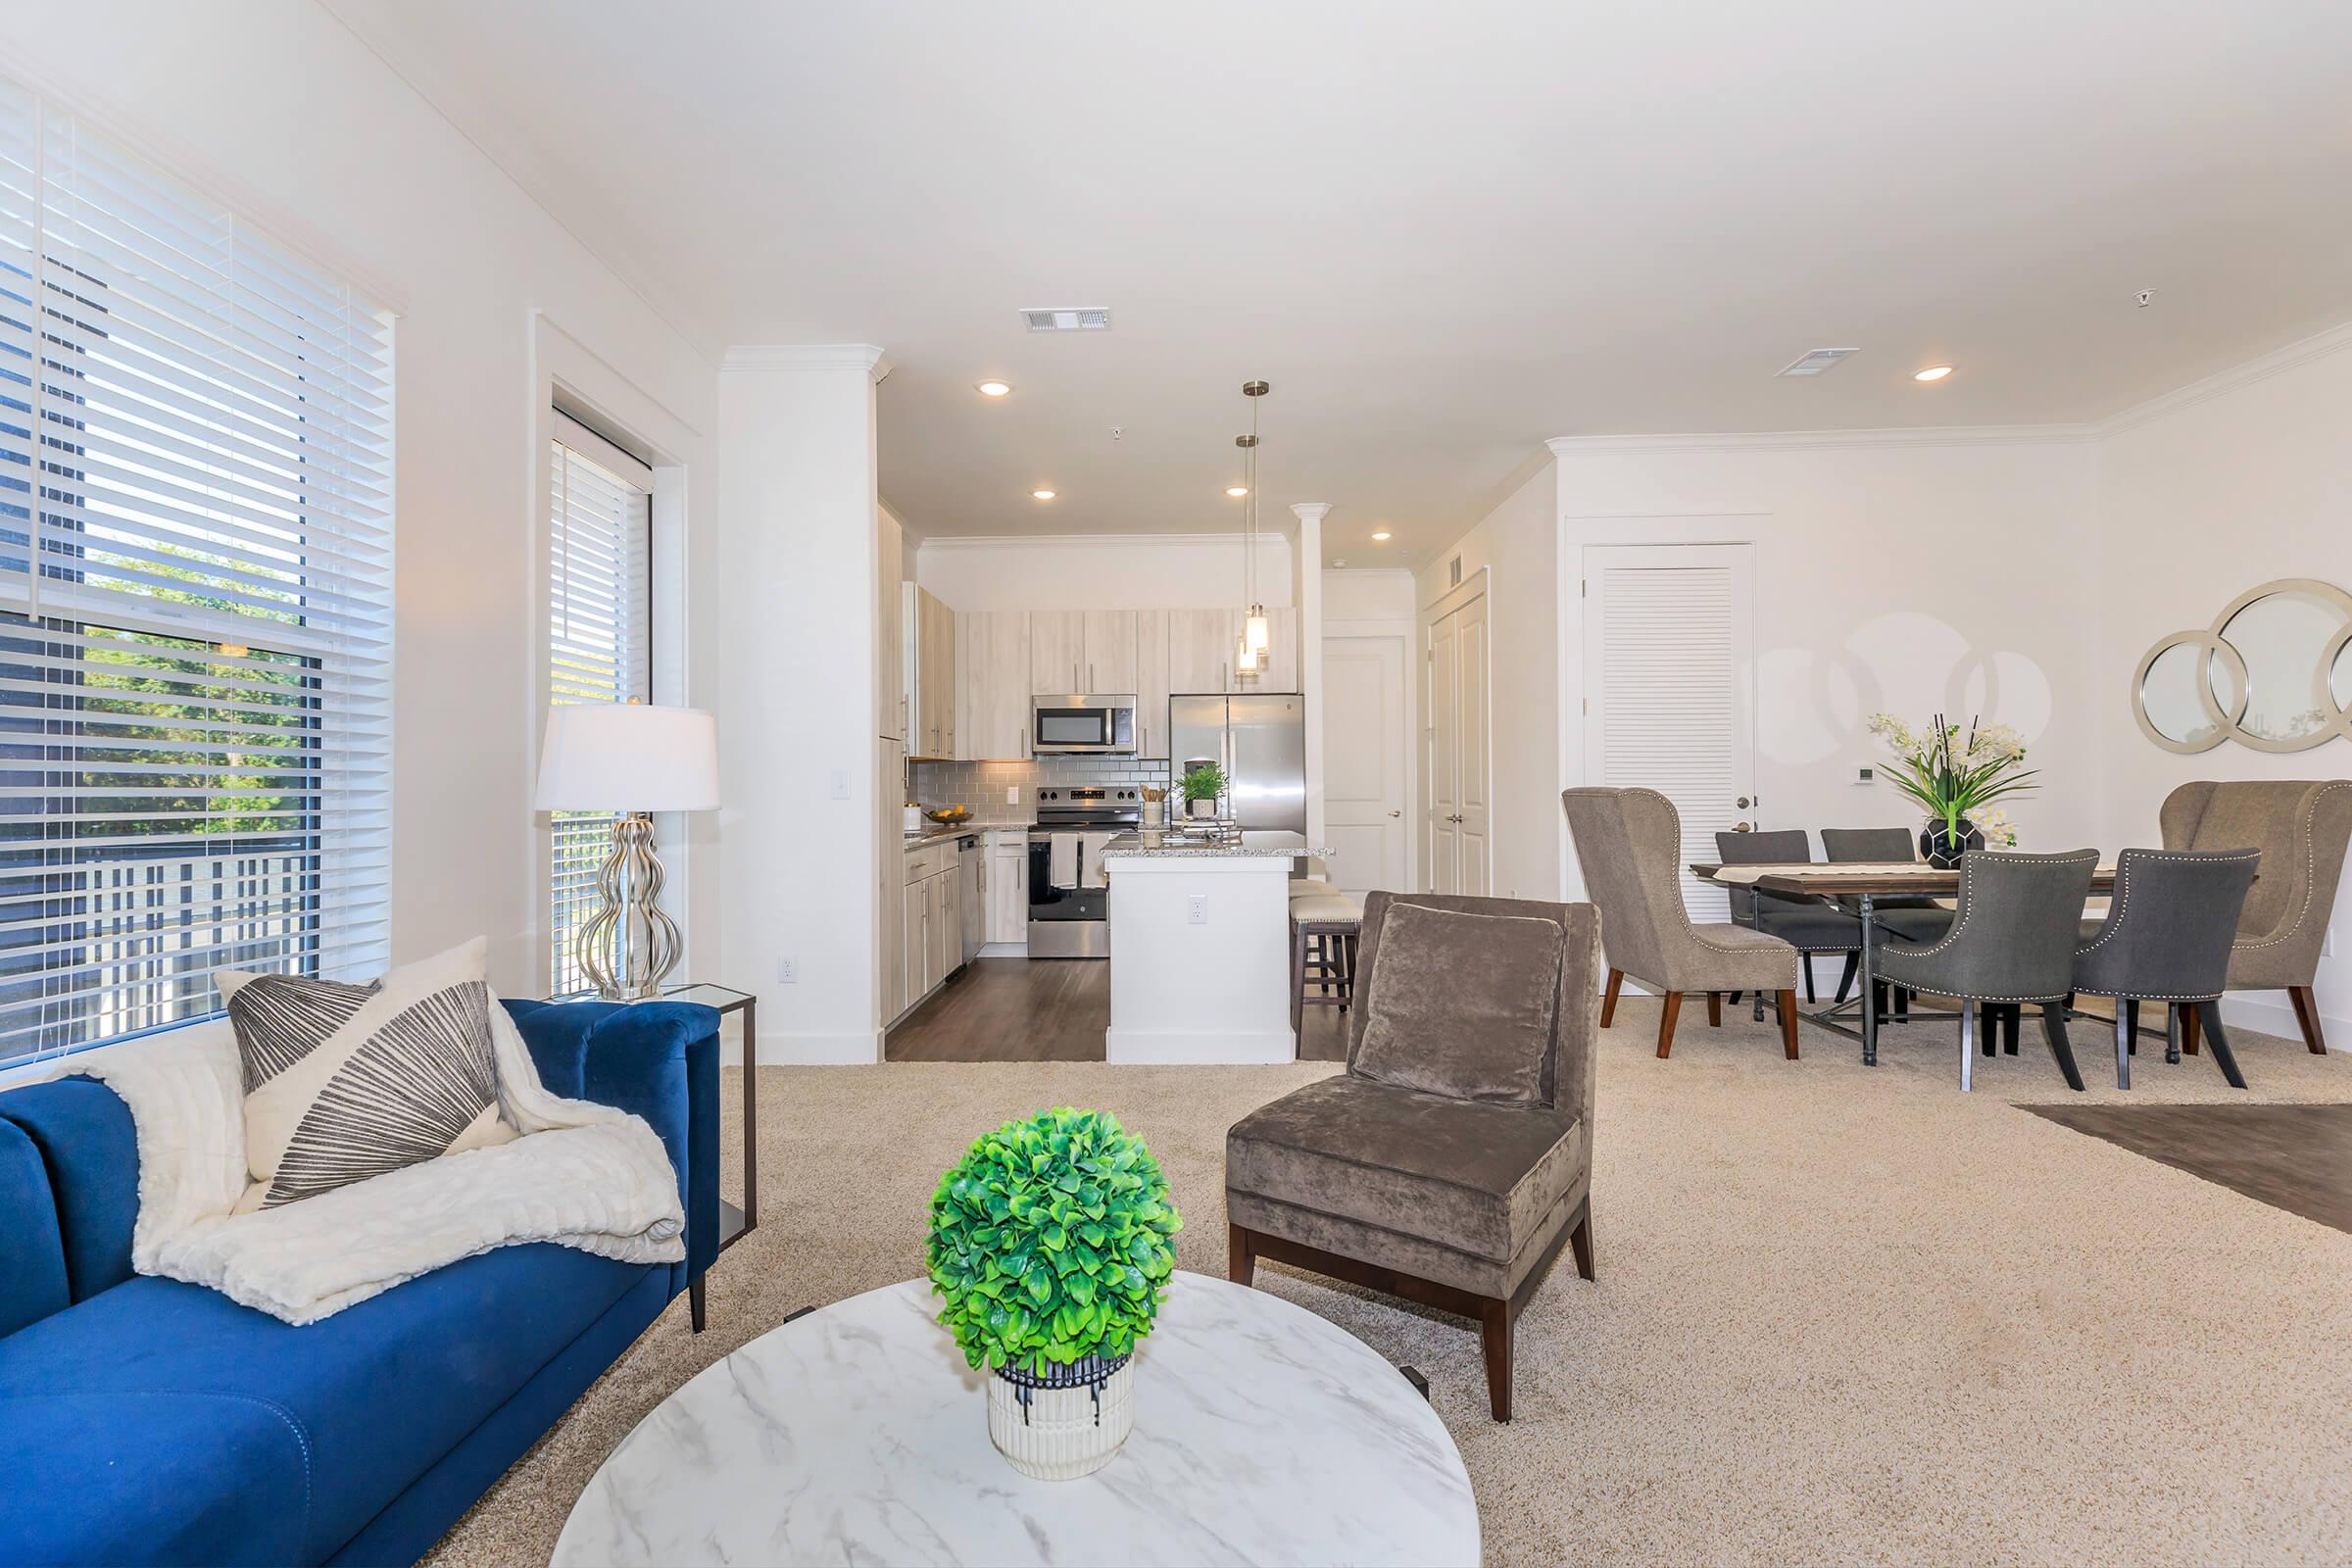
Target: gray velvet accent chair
[[2300, 826], [2011, 943], [1452, 1159], [1808, 925], [2167, 939], [1630, 845]]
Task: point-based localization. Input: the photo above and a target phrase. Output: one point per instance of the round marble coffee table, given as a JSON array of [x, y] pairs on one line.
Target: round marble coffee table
[[856, 1434]]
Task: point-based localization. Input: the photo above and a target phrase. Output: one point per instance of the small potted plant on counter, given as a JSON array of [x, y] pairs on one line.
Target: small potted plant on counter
[[1049, 1245], [1204, 784], [1953, 778]]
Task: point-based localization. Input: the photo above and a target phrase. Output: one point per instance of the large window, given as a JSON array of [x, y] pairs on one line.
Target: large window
[[195, 598], [598, 504]]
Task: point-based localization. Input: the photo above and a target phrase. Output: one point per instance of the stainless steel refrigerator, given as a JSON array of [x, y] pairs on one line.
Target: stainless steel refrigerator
[[1261, 744]]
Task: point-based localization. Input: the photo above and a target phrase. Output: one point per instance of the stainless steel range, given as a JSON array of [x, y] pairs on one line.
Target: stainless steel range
[[1069, 898]]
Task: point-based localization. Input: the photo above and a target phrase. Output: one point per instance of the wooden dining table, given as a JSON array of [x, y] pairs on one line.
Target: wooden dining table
[[1865, 883]]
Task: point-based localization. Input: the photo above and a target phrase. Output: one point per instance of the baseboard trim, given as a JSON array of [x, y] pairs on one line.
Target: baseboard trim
[[811, 1049], [2257, 1010], [1262, 1048]]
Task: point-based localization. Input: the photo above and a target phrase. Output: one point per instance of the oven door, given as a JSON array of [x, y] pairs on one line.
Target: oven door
[[1081, 725]]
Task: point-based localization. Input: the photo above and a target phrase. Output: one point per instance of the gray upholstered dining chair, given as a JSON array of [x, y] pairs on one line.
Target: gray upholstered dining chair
[[2011, 942], [2166, 938], [1453, 1158], [2301, 826], [1630, 845], [1808, 925]]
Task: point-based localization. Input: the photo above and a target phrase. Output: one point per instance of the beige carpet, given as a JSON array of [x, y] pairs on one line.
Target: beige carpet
[[1844, 1315]]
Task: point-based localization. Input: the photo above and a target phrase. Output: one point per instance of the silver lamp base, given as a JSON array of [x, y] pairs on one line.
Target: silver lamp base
[[628, 947]]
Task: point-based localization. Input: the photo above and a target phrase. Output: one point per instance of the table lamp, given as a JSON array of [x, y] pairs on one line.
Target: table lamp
[[632, 759]]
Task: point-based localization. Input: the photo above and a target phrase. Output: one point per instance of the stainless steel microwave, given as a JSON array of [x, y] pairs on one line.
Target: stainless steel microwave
[[1062, 726]]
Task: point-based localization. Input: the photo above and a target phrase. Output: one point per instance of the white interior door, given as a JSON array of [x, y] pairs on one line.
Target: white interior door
[[1365, 753], [1473, 804], [1669, 688], [1444, 747]]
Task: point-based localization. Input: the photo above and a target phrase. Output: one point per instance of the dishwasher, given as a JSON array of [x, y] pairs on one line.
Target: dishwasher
[[971, 902]]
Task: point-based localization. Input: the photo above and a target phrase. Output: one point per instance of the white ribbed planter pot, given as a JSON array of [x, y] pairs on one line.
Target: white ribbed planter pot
[[1059, 1437]]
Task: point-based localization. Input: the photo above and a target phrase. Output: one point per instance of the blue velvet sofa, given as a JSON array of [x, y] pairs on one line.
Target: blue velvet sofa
[[147, 1421]]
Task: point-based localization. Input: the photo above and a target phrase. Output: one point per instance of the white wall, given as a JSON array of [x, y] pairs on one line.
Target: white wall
[[2204, 495], [798, 617], [278, 111], [1517, 545], [1101, 571], [1382, 594]]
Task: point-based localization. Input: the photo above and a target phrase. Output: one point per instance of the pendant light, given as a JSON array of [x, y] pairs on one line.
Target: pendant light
[[1256, 636]]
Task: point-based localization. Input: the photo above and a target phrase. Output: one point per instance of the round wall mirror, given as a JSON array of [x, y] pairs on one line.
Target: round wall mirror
[[2339, 683], [2181, 685], [2286, 636]]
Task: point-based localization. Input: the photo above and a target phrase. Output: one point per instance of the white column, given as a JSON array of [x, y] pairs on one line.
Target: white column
[[797, 752], [1306, 576]]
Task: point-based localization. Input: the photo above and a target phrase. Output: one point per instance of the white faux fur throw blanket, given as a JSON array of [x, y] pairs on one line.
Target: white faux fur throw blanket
[[585, 1175]]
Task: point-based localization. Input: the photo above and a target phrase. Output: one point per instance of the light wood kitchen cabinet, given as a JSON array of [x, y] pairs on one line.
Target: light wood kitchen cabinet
[[914, 950], [1201, 650], [1152, 687], [1278, 667], [995, 666], [890, 963], [946, 911], [931, 695], [890, 635], [1109, 653], [1057, 653], [1008, 902]]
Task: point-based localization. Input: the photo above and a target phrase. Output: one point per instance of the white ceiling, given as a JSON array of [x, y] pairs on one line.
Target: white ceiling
[[1443, 231]]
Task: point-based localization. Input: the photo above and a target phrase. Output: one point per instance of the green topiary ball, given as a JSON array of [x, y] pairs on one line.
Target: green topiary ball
[[1050, 1242]]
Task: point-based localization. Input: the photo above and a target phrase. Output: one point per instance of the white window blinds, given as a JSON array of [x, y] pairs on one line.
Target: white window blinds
[[600, 503], [195, 599]]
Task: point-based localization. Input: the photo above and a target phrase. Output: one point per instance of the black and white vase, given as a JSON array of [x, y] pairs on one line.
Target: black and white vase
[[1066, 1422], [1942, 848]]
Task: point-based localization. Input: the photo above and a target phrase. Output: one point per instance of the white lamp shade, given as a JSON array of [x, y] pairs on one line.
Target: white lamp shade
[[628, 756]]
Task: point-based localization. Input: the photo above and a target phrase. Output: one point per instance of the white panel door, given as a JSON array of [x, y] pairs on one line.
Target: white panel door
[[1669, 688], [1444, 748], [1473, 801], [1365, 752]]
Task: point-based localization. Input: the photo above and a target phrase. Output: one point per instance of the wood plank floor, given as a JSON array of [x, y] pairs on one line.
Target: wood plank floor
[[1044, 1009]]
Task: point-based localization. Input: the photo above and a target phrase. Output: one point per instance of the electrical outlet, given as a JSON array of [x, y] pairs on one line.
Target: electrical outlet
[[1012, 795], [1196, 909], [788, 970]]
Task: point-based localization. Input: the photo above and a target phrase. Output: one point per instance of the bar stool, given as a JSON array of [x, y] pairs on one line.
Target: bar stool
[[1324, 928]]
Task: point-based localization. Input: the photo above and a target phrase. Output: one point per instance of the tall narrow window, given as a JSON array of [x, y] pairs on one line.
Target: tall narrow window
[[600, 503], [195, 598]]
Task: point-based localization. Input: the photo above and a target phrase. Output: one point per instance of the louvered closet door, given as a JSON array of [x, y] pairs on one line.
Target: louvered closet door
[[1669, 688]]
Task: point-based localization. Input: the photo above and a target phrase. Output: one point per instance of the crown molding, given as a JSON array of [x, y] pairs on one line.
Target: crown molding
[[749, 356], [1091, 541], [1933, 435], [2317, 346]]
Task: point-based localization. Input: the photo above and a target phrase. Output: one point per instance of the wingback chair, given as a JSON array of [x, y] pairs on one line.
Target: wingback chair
[[1630, 844], [2300, 826], [1452, 1158]]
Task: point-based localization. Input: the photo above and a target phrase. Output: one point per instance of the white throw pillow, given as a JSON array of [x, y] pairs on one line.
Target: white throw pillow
[[344, 1082]]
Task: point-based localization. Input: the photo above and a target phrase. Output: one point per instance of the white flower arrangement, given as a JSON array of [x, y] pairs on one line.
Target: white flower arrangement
[[1955, 776]]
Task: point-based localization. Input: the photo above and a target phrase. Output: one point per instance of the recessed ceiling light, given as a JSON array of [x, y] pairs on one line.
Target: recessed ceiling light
[[1933, 372], [1380, 537], [1043, 494], [995, 389], [1236, 491]]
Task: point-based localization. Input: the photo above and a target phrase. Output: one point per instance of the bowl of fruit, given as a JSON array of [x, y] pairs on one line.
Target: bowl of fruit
[[950, 816]]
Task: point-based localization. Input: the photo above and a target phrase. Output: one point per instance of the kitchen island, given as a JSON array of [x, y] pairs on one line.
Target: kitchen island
[[1199, 949]]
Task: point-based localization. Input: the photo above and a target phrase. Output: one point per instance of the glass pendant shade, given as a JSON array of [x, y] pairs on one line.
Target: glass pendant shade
[[1244, 657], [1255, 632]]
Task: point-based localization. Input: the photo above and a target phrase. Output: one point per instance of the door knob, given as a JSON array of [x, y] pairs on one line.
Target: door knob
[[1395, 814], [1741, 827]]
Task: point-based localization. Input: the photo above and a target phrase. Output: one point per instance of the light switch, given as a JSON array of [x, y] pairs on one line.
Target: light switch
[[1012, 795]]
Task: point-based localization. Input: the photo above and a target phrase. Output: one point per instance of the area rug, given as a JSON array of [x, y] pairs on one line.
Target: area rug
[[1844, 1314]]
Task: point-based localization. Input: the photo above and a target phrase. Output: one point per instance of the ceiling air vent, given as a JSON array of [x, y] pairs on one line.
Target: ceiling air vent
[[1818, 361], [1079, 318]]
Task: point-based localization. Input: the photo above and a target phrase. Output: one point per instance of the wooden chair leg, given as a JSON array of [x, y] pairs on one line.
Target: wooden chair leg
[[2053, 1027], [1845, 981], [2013, 1018], [1672, 1004], [2307, 1015], [697, 1303], [1580, 1241], [1736, 996], [1788, 1024], [1806, 962], [2173, 1011], [2128, 1011], [2223, 1056], [1494, 1334], [2192, 1030], [1714, 1009], [1609, 997], [1240, 1257]]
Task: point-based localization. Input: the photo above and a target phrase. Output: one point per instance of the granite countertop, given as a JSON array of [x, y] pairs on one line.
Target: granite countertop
[[940, 835], [1157, 846]]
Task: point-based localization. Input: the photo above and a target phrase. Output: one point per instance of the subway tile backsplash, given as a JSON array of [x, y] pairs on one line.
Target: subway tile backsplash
[[982, 785]]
